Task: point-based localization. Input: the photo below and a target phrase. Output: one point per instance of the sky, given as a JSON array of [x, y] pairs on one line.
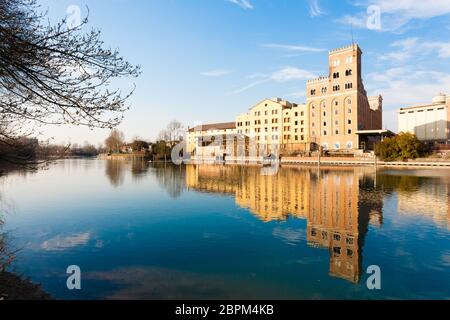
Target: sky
[[210, 60]]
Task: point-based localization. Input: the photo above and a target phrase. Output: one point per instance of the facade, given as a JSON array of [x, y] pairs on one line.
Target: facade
[[211, 140], [430, 122], [337, 115], [274, 125], [338, 104]]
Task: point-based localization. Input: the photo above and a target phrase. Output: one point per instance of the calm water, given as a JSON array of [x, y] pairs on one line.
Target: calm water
[[140, 231]]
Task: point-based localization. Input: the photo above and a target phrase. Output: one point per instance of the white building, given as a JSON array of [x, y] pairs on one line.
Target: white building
[[430, 122]]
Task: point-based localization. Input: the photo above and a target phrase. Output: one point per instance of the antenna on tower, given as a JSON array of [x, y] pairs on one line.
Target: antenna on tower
[[351, 28]]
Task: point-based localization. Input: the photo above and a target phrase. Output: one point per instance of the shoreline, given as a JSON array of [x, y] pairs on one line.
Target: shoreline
[[331, 162]]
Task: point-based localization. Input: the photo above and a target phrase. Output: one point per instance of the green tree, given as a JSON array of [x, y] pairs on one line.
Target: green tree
[[401, 147]]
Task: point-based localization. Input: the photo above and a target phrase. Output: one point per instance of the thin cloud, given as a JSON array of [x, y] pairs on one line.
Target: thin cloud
[[414, 47], [291, 74], [292, 48], [421, 85], [244, 4], [216, 73], [395, 15], [314, 8], [251, 85], [286, 74]]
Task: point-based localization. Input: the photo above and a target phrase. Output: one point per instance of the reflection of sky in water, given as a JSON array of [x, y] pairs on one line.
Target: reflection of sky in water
[[143, 232]]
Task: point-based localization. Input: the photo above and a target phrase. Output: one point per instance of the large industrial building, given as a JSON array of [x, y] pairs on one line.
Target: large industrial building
[[429, 122], [338, 115]]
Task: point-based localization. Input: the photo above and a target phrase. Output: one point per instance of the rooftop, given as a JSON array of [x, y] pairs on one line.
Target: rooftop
[[214, 126]]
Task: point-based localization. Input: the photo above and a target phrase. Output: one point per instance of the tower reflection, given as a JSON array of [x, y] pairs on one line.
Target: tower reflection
[[337, 204]]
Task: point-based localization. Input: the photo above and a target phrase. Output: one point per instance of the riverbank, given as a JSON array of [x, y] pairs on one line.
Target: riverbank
[[333, 161], [122, 156]]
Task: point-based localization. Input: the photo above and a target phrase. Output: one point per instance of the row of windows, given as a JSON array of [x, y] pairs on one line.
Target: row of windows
[[336, 112], [266, 112], [336, 122], [348, 73], [336, 103], [325, 132], [337, 62]]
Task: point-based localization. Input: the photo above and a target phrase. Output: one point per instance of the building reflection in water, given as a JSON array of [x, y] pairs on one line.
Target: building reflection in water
[[337, 204]]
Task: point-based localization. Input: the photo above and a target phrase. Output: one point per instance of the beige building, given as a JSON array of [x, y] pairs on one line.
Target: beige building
[[275, 125], [210, 141], [337, 115], [430, 122], [339, 109]]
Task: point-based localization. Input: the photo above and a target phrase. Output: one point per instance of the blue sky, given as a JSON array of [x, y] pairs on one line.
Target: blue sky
[[209, 60]]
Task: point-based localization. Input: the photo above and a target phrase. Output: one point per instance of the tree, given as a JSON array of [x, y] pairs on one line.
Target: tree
[[401, 147], [173, 133], [114, 141], [160, 150], [55, 74], [139, 145]]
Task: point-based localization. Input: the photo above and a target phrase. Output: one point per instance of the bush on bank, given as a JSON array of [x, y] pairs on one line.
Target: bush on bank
[[401, 147]]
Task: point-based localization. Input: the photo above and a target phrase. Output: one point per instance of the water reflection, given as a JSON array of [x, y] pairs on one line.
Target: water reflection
[[215, 231], [338, 203], [328, 199]]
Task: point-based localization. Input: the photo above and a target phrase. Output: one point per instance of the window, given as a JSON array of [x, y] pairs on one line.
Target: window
[[296, 114], [296, 138], [302, 122], [337, 132], [336, 122], [348, 72], [325, 132], [349, 131], [266, 121], [336, 88], [302, 138], [336, 75], [324, 90], [336, 103], [302, 114], [348, 86], [349, 101], [324, 114], [349, 59], [349, 145], [313, 92], [349, 121], [325, 124], [296, 123], [349, 110], [337, 146], [312, 124], [336, 63]]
